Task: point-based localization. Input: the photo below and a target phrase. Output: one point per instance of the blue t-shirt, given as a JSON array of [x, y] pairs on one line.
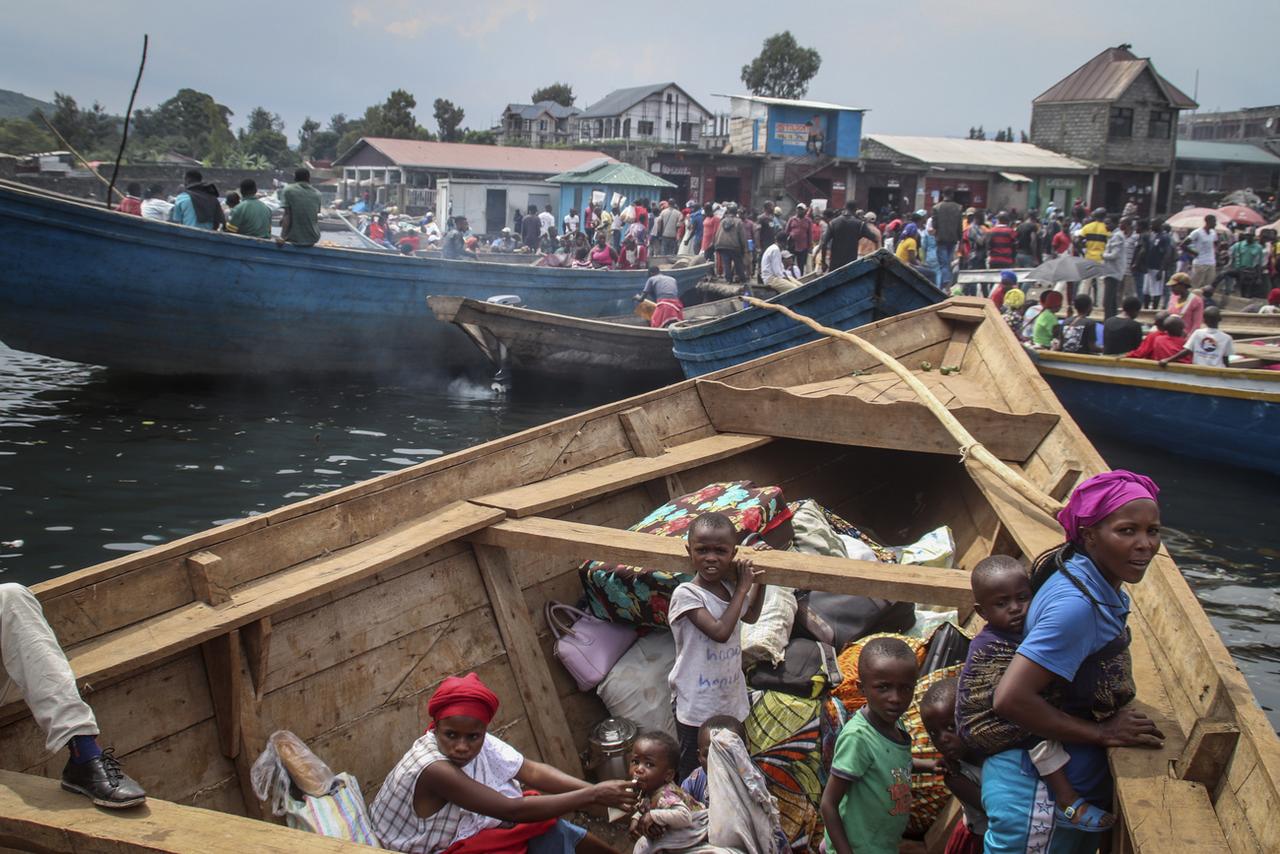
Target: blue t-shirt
[[1063, 629]]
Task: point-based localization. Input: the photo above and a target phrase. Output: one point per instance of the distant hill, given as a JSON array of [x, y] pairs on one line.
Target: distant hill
[[15, 105]]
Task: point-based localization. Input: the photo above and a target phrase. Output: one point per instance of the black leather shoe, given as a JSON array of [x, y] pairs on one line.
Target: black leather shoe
[[102, 781]]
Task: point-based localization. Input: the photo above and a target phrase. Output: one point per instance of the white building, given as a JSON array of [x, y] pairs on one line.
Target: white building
[[658, 114]]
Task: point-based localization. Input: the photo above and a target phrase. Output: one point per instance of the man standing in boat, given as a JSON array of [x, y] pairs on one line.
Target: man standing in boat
[[38, 673], [301, 204], [197, 205]]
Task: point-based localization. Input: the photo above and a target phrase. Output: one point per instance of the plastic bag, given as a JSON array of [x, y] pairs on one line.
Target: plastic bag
[[288, 761], [765, 640], [636, 688], [936, 548]]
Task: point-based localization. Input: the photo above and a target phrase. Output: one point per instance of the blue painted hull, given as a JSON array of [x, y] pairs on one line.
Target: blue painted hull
[[90, 285], [867, 290], [1231, 430]]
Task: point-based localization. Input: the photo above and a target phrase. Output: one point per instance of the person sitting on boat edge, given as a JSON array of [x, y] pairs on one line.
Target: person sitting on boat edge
[[197, 205], [155, 205], [132, 201], [602, 254], [455, 246], [460, 789], [664, 291], [1076, 639], [301, 205], [252, 217], [1167, 343], [503, 242], [775, 270], [39, 673], [1208, 345]]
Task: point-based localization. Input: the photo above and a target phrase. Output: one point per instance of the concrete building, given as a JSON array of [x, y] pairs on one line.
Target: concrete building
[[536, 125], [910, 173], [1206, 171], [657, 114], [1118, 112], [1257, 125], [407, 172]]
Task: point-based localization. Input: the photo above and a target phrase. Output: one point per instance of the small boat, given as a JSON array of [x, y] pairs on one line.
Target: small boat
[[1258, 352], [522, 344], [1228, 415], [337, 616], [91, 285], [1237, 324], [871, 288]]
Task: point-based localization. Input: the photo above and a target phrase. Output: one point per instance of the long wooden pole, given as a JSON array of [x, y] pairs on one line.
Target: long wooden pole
[[72, 149], [970, 448], [124, 134]]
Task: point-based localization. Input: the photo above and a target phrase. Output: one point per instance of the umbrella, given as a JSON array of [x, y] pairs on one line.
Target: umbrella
[[1240, 214], [1068, 268], [1194, 218], [1241, 197]]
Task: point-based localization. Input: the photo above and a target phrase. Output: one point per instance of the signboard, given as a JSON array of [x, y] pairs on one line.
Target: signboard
[[837, 185], [1062, 183], [791, 133], [669, 169]]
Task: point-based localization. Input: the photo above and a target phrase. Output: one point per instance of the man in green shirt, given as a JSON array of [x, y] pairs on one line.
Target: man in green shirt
[[1246, 265], [301, 203], [250, 218]]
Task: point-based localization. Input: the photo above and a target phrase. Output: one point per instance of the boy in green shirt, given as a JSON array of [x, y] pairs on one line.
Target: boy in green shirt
[[1047, 319], [250, 218], [867, 800]]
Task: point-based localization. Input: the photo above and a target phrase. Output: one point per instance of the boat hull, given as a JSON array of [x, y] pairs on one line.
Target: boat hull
[[1206, 414], [866, 290], [91, 285]]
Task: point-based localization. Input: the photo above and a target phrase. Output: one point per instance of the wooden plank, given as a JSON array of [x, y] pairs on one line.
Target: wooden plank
[[1065, 480], [1162, 815], [206, 578], [575, 487], [1209, 749], [541, 703], [957, 347], [222, 663], [36, 815], [256, 639], [905, 425], [897, 582], [138, 645], [962, 314], [645, 442]]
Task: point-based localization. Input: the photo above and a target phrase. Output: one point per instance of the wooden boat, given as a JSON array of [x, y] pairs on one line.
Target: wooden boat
[[335, 617], [616, 352], [90, 285], [1230, 415], [1237, 324], [873, 287], [1258, 351]]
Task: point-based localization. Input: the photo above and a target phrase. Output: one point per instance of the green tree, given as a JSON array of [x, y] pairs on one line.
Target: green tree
[[448, 120], [89, 131], [23, 136], [263, 137], [561, 93], [394, 118], [307, 135], [324, 145], [479, 137], [783, 69], [190, 122]]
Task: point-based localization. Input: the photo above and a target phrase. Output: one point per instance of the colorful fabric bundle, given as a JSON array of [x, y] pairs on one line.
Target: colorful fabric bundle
[[635, 595], [929, 794], [847, 691], [792, 771]]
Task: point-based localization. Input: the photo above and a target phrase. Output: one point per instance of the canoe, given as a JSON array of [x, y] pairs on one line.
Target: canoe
[[869, 289], [1227, 415], [337, 616], [90, 285], [1237, 324], [1259, 351], [525, 345]]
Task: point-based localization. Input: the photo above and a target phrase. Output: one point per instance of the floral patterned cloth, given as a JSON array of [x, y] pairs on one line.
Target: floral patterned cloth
[[630, 594]]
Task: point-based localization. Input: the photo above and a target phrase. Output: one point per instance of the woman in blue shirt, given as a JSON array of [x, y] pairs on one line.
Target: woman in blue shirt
[[1076, 650]]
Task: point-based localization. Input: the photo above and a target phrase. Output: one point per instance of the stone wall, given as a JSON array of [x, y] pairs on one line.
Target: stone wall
[[1076, 130], [1143, 96], [168, 177]]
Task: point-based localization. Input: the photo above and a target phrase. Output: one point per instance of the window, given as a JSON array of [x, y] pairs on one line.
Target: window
[[1255, 129], [668, 97], [1121, 123], [1160, 124], [1202, 131], [542, 124], [644, 128]]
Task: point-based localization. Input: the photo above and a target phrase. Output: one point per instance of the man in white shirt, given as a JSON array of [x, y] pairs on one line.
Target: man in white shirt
[[1208, 345], [773, 272], [571, 221], [548, 220], [1203, 244], [154, 204]]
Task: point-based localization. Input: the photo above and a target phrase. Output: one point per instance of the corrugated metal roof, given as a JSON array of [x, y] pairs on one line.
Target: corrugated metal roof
[[609, 172], [466, 157], [1107, 76], [554, 108], [978, 153], [1226, 152], [787, 102], [620, 100]]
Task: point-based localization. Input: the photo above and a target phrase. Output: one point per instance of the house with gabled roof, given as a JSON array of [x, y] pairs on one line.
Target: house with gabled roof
[[659, 114], [1118, 112], [543, 123]]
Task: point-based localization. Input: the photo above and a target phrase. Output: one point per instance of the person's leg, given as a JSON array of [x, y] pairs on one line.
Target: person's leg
[[566, 838], [1050, 759], [946, 252], [688, 738], [1018, 805], [1110, 298]]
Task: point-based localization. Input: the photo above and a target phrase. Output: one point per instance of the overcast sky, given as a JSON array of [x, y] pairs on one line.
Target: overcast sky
[[926, 67]]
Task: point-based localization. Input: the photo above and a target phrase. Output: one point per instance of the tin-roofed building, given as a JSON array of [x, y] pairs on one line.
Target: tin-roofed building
[[657, 114], [543, 123], [1118, 112], [607, 183], [1216, 168]]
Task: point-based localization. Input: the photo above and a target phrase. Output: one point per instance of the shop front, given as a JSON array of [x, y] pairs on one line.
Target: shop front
[[968, 192], [1062, 191]]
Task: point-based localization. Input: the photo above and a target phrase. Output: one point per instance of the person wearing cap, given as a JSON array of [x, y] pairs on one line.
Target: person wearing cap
[[775, 265], [504, 242], [1185, 302], [459, 785], [1008, 282]]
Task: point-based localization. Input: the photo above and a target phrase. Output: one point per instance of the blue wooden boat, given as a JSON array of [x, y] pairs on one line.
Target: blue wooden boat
[[1227, 415], [863, 291], [86, 284]]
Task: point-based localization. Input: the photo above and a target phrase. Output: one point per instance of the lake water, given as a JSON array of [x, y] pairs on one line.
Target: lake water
[[93, 466]]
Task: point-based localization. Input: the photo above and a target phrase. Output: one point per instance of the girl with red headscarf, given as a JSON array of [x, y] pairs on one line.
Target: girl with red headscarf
[[1071, 678], [460, 790]]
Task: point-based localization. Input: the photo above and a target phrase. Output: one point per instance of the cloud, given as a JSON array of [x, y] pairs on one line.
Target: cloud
[[360, 15], [494, 13], [404, 19]]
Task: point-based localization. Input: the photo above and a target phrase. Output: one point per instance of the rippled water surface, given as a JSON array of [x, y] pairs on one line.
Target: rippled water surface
[[94, 466]]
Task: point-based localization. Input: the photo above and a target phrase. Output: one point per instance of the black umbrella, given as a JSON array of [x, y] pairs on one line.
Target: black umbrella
[[1068, 268]]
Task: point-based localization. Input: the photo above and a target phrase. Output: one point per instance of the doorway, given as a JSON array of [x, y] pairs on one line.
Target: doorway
[[727, 188], [495, 210]]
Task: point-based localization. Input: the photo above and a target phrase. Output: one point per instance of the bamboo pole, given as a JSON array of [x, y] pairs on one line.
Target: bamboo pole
[[970, 448], [71, 148], [128, 113]]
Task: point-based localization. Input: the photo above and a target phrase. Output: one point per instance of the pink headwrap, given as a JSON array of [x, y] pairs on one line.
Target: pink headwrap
[[1100, 496]]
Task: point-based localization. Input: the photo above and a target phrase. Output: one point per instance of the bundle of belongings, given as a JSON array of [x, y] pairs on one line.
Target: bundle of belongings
[[800, 656], [298, 785]]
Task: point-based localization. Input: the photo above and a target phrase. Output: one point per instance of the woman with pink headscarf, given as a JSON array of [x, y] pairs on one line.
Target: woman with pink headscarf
[[1071, 679]]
